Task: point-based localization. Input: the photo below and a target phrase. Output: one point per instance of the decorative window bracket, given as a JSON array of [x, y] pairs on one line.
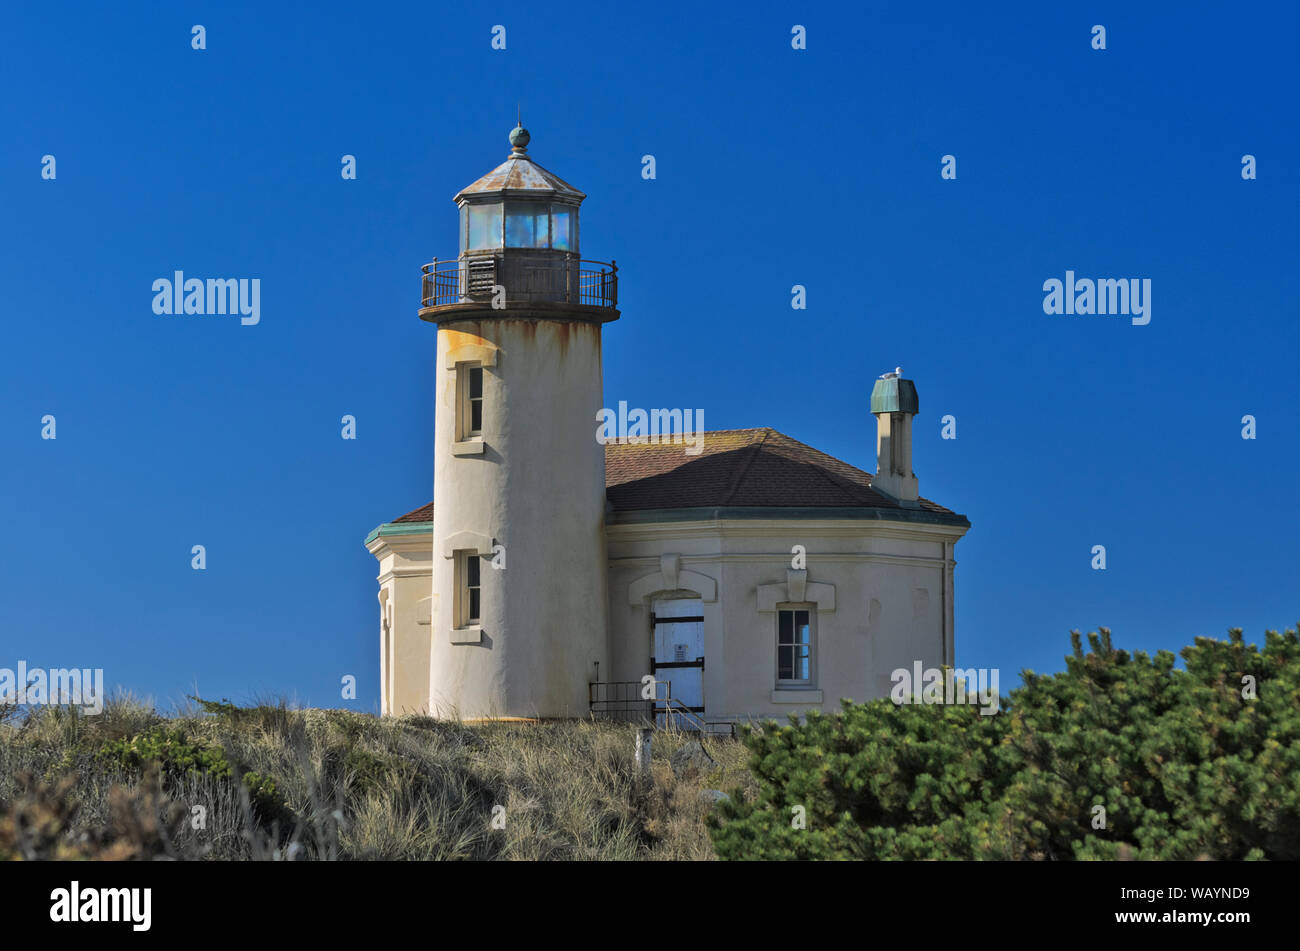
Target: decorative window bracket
[[796, 590]]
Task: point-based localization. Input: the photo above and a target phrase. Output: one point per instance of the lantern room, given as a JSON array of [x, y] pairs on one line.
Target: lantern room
[[519, 204], [519, 242]]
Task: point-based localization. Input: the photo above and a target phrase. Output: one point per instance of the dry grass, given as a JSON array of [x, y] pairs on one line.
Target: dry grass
[[353, 786]]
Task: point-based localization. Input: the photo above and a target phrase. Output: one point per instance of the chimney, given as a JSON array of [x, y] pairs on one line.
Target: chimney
[[894, 403]]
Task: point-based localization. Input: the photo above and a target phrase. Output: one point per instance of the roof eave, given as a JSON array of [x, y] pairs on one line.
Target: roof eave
[[392, 529], [493, 194]]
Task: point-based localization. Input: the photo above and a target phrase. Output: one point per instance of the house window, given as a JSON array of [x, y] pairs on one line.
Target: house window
[[469, 591], [469, 409], [795, 646]]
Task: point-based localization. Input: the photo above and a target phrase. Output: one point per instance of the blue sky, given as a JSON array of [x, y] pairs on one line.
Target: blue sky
[[775, 167]]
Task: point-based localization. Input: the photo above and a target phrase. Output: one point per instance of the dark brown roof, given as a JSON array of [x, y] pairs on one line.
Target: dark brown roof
[[759, 468], [423, 514], [736, 468]]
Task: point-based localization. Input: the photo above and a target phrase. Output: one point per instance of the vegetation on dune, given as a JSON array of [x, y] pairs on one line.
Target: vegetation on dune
[[1119, 756], [269, 782]]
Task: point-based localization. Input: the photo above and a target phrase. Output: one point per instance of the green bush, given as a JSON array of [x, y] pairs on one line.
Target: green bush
[[174, 755], [167, 748], [1202, 762]]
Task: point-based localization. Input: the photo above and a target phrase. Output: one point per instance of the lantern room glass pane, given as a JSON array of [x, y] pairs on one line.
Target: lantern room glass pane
[[562, 227], [526, 225], [484, 227]]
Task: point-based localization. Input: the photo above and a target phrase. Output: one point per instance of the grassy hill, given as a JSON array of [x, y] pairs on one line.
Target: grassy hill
[[223, 782]]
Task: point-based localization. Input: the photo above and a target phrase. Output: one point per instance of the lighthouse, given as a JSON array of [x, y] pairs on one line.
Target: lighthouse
[[518, 616], [560, 574]]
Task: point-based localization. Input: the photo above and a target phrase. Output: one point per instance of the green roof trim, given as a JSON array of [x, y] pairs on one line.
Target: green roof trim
[[720, 513], [895, 396], [400, 528], [847, 513]]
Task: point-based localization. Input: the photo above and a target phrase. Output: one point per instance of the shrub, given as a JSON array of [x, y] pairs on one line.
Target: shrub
[[174, 755], [1202, 762], [169, 749]]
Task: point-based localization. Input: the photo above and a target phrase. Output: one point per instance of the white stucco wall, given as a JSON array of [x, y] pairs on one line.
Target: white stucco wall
[[538, 489], [404, 621], [892, 605]]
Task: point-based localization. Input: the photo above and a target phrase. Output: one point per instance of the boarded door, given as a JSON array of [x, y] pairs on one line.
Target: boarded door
[[679, 649]]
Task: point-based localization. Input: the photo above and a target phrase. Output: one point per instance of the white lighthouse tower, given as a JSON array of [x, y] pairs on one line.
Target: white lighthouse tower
[[518, 618]]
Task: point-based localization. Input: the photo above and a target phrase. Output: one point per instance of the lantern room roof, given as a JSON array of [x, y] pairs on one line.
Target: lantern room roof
[[520, 177]]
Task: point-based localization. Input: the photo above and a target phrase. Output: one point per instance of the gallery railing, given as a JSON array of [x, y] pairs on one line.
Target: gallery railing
[[567, 279]]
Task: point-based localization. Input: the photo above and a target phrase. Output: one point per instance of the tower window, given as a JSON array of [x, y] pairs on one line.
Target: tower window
[[475, 401], [795, 637], [468, 589], [469, 402]]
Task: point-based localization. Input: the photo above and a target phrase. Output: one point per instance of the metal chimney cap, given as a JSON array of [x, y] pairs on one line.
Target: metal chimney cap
[[895, 396]]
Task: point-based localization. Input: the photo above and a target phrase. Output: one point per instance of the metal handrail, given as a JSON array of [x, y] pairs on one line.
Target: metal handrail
[[621, 699], [570, 280], [609, 697], [669, 711]]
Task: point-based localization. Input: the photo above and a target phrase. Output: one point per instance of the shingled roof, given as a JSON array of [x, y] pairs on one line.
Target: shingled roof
[[423, 514], [740, 471], [738, 468]]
